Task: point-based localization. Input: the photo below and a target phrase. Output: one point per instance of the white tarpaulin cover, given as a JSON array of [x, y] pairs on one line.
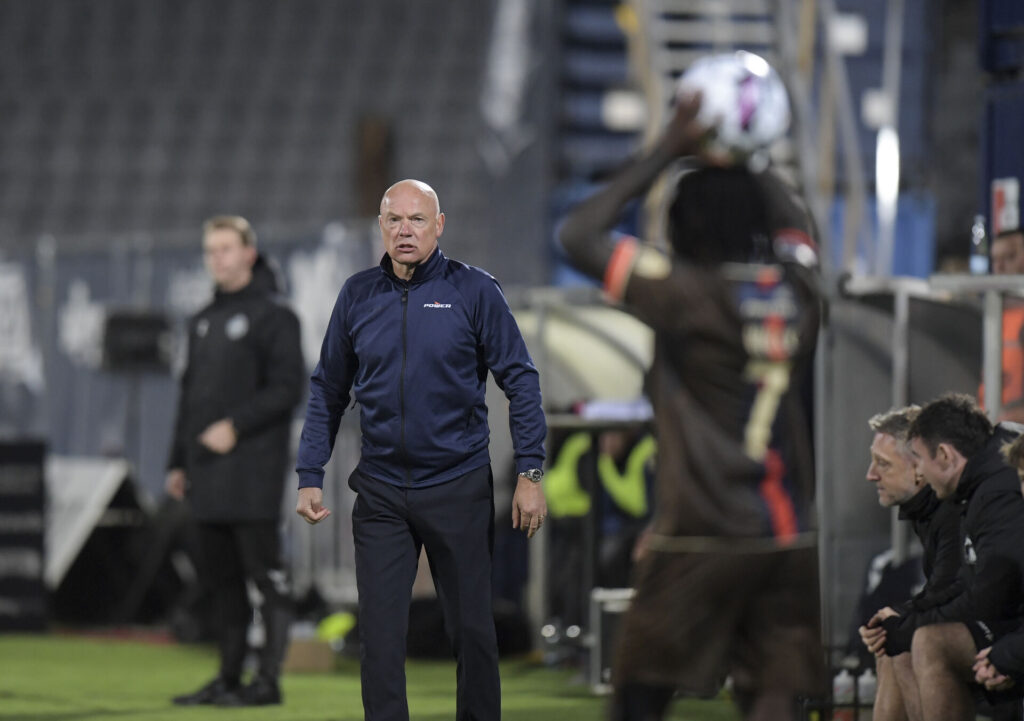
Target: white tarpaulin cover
[[79, 491]]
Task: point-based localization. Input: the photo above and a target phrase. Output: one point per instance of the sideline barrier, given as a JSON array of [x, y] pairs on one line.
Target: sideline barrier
[[23, 605]]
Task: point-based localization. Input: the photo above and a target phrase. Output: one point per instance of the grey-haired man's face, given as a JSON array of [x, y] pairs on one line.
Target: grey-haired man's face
[[892, 470]]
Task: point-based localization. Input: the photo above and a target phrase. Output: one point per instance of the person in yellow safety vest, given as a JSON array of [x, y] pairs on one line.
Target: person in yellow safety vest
[[627, 487], [566, 497], [623, 468]]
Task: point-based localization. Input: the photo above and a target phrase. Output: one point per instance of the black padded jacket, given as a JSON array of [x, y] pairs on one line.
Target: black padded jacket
[[244, 363]]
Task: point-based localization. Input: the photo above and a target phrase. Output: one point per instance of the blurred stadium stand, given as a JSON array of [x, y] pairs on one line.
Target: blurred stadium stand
[[1001, 158], [919, 45], [593, 63], [1001, 40], [594, 79], [118, 116]]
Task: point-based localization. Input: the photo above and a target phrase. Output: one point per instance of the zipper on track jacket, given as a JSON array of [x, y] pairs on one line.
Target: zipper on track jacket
[[401, 385]]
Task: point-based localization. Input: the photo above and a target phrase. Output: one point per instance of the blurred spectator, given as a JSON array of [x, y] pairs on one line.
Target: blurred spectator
[[610, 487], [1008, 253], [1008, 259]]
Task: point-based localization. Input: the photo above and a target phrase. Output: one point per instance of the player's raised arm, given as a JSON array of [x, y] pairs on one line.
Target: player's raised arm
[[584, 234]]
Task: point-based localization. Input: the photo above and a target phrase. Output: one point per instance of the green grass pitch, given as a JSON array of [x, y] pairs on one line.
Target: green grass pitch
[[83, 678]]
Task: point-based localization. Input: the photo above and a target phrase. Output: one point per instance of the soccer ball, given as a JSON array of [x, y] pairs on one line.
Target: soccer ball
[[743, 98]]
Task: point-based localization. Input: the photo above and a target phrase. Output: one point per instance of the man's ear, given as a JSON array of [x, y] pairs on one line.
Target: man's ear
[[949, 456]]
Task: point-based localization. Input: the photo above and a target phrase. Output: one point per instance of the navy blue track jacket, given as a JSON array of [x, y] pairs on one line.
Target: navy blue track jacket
[[415, 356]]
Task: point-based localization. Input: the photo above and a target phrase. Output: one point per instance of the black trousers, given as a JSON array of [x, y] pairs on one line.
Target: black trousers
[[233, 552], [454, 522]]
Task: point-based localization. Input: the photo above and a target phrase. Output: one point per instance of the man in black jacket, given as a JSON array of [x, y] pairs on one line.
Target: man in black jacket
[[1001, 667], [229, 455], [413, 341], [958, 454], [937, 526]]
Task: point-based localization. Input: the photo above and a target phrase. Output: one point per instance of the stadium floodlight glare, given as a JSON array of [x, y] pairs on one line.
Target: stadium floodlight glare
[[887, 188]]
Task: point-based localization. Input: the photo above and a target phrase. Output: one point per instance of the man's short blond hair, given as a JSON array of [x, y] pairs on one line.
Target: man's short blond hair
[[232, 222], [895, 422]]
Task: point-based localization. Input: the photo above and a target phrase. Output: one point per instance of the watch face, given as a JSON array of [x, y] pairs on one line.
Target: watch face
[[534, 474]]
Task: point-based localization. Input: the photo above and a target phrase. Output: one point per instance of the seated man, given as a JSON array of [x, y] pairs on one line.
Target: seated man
[[957, 452], [937, 526], [1001, 667]]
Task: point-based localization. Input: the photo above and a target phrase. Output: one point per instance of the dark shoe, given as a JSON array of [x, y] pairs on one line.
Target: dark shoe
[[231, 698], [211, 693], [261, 692]]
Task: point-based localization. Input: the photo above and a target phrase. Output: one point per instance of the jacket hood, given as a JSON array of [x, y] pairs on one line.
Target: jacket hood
[[267, 279], [267, 275]]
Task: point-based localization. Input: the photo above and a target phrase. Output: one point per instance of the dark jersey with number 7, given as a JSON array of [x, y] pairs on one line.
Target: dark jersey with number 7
[[734, 345]]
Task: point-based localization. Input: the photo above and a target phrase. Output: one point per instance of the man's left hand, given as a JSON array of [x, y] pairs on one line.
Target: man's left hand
[[220, 436], [528, 506], [988, 675]]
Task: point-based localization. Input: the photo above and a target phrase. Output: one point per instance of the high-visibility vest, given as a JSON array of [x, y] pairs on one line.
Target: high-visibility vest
[[1013, 359], [562, 490], [566, 498], [629, 488]]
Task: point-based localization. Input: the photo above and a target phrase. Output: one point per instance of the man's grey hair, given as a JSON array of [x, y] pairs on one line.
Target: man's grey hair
[[896, 422]]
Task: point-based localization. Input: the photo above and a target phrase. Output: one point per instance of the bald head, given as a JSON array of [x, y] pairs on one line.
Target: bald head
[[410, 221], [410, 186]]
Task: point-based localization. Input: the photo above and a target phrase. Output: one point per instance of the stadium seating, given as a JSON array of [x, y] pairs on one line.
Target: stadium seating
[[119, 116]]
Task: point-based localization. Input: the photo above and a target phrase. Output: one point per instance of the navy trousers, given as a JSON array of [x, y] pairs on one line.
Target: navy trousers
[[454, 522]]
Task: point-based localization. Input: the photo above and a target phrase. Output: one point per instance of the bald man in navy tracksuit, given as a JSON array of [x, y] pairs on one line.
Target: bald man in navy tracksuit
[[412, 341]]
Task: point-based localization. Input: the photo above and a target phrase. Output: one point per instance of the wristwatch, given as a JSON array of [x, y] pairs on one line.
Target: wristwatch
[[532, 474]]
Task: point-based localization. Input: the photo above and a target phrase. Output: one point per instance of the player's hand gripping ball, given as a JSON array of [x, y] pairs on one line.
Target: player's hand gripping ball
[[744, 100]]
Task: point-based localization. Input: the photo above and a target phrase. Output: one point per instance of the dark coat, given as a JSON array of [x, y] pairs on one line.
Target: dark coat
[[992, 529], [937, 526], [244, 363], [1007, 653], [988, 496]]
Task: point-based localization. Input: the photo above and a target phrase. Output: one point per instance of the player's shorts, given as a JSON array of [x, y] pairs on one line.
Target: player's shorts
[[699, 617]]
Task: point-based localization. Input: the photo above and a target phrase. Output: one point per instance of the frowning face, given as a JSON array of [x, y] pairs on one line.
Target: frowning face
[[410, 223]]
